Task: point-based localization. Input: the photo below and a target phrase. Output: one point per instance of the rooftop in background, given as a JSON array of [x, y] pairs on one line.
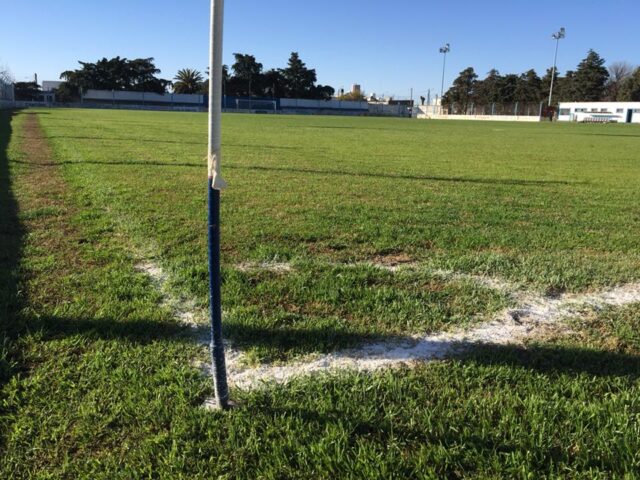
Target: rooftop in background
[[50, 85]]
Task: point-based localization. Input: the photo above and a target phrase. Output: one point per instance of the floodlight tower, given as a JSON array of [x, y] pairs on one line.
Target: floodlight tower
[[444, 50], [557, 37]]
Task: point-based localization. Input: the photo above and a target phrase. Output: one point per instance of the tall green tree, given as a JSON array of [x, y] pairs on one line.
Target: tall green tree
[[508, 88], [204, 86], [299, 81], [187, 80], [488, 90], [27, 91], [630, 89], [66, 93], [529, 88], [567, 89], [591, 78], [274, 84], [462, 93], [322, 92], [247, 79], [139, 75]]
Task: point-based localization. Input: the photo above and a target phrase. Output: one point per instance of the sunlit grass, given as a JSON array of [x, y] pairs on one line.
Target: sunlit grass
[[98, 379]]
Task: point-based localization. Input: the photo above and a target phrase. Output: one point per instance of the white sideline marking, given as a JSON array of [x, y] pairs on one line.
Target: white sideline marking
[[183, 309], [277, 267], [282, 267], [529, 319]]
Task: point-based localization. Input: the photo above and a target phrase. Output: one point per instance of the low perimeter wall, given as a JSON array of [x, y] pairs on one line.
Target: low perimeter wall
[[495, 118]]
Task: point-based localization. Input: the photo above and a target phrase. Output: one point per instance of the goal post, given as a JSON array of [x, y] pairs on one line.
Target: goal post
[[257, 105]]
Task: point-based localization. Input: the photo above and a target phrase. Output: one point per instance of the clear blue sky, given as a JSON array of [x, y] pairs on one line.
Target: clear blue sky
[[388, 47]]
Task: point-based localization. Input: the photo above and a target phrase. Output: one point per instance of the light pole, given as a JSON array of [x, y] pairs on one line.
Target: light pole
[[557, 37], [444, 50]]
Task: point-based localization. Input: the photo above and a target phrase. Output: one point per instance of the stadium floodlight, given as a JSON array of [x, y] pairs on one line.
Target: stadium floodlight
[[214, 185], [444, 50], [559, 35]]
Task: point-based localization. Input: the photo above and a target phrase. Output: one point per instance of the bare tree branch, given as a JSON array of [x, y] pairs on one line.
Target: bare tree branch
[[619, 72], [5, 75]]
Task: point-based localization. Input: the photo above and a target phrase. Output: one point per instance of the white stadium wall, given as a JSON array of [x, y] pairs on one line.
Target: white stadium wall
[[142, 97], [386, 110], [51, 85], [618, 112], [425, 113], [298, 103]]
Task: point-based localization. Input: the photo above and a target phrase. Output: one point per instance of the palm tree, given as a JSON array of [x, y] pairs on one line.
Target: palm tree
[[187, 81]]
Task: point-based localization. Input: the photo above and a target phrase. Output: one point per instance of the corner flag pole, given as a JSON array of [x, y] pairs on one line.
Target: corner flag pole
[[214, 185]]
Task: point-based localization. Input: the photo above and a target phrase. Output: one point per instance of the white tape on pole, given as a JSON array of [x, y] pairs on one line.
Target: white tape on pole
[[215, 95]]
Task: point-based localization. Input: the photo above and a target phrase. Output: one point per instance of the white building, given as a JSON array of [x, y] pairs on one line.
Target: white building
[[619, 112], [50, 85]]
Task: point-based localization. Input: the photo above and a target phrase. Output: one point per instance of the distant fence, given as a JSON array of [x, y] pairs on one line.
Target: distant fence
[[389, 110], [531, 109], [113, 99], [519, 112], [104, 98], [338, 105], [143, 98]]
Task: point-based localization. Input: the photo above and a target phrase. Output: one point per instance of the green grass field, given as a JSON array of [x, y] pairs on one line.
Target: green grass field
[[98, 378]]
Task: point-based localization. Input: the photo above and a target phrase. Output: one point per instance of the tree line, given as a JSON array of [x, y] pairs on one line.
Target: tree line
[[590, 81], [245, 78], [248, 79]]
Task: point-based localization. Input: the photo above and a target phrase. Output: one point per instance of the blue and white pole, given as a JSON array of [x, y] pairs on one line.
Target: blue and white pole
[[214, 185]]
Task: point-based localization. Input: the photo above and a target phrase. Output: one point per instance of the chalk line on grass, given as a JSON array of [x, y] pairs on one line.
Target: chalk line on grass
[[286, 267], [276, 267], [184, 309], [529, 319]]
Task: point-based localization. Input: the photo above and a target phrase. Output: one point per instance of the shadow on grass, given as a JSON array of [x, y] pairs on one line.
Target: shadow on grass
[[557, 359], [448, 423], [345, 127], [544, 358], [421, 178], [431, 178], [139, 331], [132, 163], [11, 244], [125, 139], [547, 359], [143, 331], [607, 135], [324, 339], [175, 142]]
